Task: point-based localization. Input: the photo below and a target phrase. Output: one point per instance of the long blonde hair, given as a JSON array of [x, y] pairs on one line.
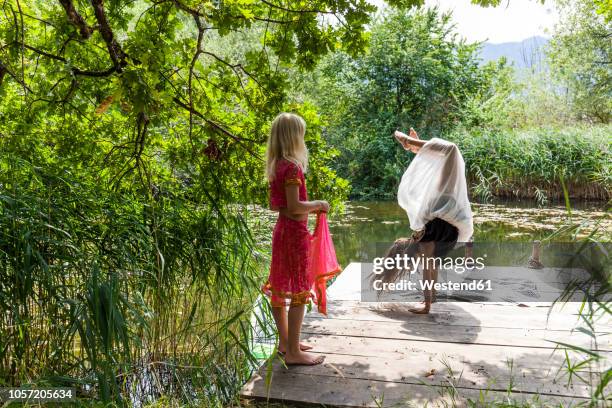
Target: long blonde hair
[[286, 141]]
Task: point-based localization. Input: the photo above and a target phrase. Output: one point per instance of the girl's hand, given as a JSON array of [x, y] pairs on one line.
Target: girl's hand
[[323, 206]]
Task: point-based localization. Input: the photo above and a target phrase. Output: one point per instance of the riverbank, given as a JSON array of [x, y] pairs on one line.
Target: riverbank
[[538, 163]]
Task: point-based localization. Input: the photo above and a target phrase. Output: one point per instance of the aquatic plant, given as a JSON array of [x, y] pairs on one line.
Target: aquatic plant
[[125, 300]]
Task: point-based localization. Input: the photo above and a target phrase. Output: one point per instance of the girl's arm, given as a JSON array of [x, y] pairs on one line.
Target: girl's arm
[[295, 206]]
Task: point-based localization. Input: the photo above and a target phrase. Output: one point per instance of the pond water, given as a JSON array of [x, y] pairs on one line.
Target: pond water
[[357, 232]]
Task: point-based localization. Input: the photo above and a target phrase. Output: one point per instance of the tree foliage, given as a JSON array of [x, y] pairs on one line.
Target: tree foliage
[[129, 132], [417, 72], [581, 54], [141, 91]]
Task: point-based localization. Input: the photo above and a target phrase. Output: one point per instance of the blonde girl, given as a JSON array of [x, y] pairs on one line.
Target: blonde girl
[[289, 283]]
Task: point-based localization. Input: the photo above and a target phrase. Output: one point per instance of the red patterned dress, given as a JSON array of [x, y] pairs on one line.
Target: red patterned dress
[[289, 281]]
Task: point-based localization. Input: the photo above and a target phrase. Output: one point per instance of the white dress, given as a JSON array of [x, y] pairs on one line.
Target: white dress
[[434, 186]]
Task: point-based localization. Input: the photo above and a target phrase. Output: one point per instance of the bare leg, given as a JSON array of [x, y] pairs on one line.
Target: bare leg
[[280, 317], [427, 275], [434, 294], [294, 355], [427, 248]]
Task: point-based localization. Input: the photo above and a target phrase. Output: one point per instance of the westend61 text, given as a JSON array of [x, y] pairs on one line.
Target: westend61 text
[[406, 285]]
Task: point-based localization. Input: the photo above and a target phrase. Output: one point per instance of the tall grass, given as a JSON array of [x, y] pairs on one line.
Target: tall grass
[[590, 367], [124, 298], [532, 163]]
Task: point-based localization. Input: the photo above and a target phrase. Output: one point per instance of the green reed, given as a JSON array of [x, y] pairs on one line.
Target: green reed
[[119, 296], [590, 366], [532, 163]]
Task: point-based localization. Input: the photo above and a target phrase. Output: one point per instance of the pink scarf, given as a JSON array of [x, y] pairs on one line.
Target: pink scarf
[[323, 263]]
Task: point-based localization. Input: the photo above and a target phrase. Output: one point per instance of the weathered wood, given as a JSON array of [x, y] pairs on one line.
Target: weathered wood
[[379, 354], [492, 355], [416, 331], [449, 314], [534, 259], [442, 370], [347, 392]]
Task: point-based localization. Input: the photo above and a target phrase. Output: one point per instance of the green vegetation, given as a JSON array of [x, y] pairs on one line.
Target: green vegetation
[[580, 55], [99, 289], [417, 73], [521, 132], [530, 163], [131, 137]]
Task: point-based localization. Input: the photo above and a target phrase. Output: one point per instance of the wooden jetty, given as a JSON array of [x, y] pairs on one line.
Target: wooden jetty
[[461, 354]]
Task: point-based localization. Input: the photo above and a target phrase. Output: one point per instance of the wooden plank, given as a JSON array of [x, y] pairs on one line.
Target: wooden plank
[[501, 307], [346, 392], [379, 354], [417, 369], [416, 331], [498, 308], [464, 314], [476, 354]]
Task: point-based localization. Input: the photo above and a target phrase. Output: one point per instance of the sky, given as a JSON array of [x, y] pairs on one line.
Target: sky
[[513, 20]]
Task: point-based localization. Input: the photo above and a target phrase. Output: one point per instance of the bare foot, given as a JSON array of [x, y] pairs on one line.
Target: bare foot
[[303, 347], [413, 134], [302, 358], [420, 310], [404, 139]]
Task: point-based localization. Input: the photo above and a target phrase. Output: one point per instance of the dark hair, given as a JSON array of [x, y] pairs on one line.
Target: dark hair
[[441, 233]]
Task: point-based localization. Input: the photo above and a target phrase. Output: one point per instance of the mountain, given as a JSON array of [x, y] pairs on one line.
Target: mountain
[[523, 54]]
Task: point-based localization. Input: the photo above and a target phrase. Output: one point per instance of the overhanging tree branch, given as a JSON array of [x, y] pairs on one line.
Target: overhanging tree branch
[[75, 71], [197, 13], [114, 49], [280, 7], [233, 67], [215, 126], [196, 55], [97, 74], [5, 70], [76, 19], [187, 9], [2, 73]]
